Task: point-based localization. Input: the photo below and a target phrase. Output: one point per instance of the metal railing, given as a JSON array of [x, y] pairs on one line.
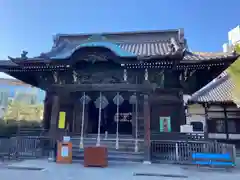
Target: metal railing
[[6, 148], [23, 147], [177, 136], [164, 151], [180, 152]]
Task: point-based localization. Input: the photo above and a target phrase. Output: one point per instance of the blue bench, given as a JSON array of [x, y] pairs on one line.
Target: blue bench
[[213, 159]]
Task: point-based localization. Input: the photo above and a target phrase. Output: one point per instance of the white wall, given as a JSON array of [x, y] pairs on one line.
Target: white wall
[[196, 113], [234, 36], [233, 39]]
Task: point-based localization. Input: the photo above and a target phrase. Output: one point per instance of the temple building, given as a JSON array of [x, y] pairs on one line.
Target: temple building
[[129, 83], [214, 107]]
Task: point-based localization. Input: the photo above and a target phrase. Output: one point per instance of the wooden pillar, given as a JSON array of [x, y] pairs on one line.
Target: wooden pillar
[[54, 117], [78, 117], [133, 120], [66, 104], [74, 118], [86, 120], [47, 112], [206, 131], [182, 113], [147, 131], [226, 121], [69, 117]]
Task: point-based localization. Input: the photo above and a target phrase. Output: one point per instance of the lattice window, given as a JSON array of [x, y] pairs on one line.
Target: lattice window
[[197, 126], [232, 126], [220, 126]]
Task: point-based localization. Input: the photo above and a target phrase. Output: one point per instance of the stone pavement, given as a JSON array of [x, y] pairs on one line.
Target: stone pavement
[[115, 171]]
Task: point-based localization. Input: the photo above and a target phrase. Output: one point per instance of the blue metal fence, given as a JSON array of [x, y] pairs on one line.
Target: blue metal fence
[[213, 159]]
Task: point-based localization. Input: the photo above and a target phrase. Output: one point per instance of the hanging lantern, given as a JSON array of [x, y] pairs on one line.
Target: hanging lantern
[[104, 102], [146, 75], [125, 75], [118, 100], [133, 99], [100, 103], [85, 99]]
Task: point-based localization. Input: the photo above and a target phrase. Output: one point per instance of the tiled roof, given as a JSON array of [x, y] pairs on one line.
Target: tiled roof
[[152, 48], [147, 49], [142, 45], [155, 48], [218, 90], [206, 56], [122, 33], [7, 63]]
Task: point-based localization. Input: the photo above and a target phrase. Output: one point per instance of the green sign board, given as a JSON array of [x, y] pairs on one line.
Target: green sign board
[[165, 124]]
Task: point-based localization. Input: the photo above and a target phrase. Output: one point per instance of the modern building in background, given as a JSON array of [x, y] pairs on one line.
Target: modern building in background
[[233, 39]]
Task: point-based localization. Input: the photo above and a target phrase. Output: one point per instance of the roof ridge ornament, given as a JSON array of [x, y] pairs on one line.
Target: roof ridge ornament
[[55, 40], [181, 36], [174, 46], [22, 57], [55, 49]]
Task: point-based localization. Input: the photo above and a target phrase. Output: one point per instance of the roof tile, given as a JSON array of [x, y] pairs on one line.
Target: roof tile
[[154, 48], [7, 63], [147, 49], [202, 56], [218, 90]]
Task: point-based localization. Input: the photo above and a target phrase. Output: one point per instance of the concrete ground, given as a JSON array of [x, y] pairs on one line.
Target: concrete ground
[[30, 169]]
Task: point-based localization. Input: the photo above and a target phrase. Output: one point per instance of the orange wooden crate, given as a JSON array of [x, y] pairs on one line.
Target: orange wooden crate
[[66, 159], [95, 157]]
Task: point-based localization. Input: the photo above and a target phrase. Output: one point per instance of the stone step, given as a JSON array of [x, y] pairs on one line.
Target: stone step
[[123, 136], [115, 156], [106, 141], [130, 139], [109, 137], [113, 148], [125, 152], [114, 152], [109, 144]]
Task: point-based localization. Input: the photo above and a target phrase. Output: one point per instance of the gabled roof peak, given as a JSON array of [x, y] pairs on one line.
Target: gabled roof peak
[[141, 36], [120, 33]]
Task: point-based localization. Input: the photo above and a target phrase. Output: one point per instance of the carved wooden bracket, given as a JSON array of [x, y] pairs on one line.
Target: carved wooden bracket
[[55, 76], [75, 77]]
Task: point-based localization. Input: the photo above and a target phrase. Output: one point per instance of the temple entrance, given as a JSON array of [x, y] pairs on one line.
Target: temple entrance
[[109, 118], [125, 118]]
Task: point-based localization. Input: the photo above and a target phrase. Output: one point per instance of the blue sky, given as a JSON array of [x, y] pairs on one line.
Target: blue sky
[[30, 24]]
